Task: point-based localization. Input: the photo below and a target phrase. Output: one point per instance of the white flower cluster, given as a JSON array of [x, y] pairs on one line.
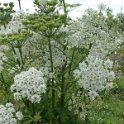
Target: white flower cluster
[[30, 85], [3, 48], [15, 24], [95, 75], [8, 114], [105, 45], [92, 29], [58, 57]]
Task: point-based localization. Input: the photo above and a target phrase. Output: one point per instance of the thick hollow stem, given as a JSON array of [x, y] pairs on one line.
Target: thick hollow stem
[[13, 49], [62, 89], [21, 56], [65, 11], [64, 5], [78, 118], [19, 1], [52, 80], [71, 61]]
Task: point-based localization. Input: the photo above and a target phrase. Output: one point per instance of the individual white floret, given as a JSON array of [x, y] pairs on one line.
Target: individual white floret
[[19, 115], [93, 95], [35, 98], [13, 121]]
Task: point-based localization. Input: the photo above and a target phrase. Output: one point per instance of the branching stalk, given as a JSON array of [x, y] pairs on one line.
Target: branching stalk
[[52, 69], [19, 1]]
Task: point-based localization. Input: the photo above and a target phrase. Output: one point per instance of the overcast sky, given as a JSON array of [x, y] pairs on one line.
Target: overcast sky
[[115, 5]]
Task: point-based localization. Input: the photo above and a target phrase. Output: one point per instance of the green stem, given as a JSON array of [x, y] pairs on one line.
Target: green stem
[[64, 66], [65, 11], [33, 108], [5, 86], [78, 118], [15, 54], [26, 103], [71, 61], [19, 1], [62, 88], [52, 80], [20, 51], [4, 26], [86, 117], [63, 82]]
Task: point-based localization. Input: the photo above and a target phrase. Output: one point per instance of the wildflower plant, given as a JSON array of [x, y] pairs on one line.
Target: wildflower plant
[[57, 67]]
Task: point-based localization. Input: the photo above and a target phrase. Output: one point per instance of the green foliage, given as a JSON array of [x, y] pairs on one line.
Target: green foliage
[[5, 13], [107, 111], [46, 22], [20, 36], [120, 17]]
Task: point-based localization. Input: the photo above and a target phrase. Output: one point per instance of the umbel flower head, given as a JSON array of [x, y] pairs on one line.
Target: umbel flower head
[[8, 114], [29, 85], [95, 75]]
